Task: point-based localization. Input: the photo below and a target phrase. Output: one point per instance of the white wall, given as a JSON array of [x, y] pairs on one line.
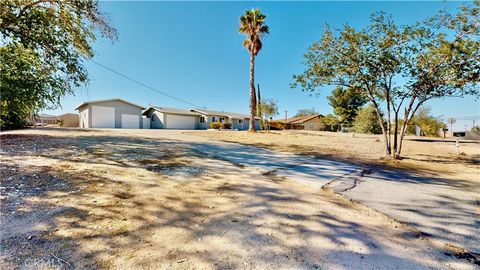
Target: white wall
[[146, 123]]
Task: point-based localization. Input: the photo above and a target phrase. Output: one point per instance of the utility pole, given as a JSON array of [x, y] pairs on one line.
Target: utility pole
[[286, 118]]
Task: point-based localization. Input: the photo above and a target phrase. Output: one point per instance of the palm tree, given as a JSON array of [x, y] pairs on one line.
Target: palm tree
[[252, 25]]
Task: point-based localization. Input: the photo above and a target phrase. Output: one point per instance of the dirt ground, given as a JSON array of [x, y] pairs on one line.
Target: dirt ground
[[434, 157], [103, 200]]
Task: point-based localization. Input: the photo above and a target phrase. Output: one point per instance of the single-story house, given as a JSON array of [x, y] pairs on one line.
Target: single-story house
[[237, 120], [171, 118], [68, 120], [311, 122], [111, 113]]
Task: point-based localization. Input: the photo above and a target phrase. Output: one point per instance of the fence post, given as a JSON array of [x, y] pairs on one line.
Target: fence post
[[457, 145]]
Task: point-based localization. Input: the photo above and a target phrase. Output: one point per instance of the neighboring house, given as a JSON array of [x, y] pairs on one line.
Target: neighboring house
[[239, 121], [311, 122], [45, 119], [68, 120], [171, 118], [111, 113]]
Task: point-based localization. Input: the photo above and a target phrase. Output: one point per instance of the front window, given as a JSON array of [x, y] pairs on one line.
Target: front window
[[240, 121], [202, 119], [214, 119], [222, 119]]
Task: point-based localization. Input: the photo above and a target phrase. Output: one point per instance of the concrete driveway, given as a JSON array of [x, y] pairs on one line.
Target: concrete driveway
[[442, 209], [445, 210], [308, 170]]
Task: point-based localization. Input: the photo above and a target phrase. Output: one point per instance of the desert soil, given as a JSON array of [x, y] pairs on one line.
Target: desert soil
[[106, 200]]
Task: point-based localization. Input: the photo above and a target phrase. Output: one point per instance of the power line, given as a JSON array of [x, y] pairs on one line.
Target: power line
[[146, 86], [462, 117]]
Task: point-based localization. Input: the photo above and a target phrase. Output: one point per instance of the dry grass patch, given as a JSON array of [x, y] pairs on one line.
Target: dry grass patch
[[434, 157]]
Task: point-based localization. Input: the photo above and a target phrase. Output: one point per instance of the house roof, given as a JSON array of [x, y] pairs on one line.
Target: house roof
[[107, 100], [171, 110], [302, 119], [67, 114], [227, 114]]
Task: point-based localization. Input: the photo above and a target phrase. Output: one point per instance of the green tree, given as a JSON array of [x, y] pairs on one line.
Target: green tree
[[44, 44], [259, 104], [430, 125], [346, 102], [269, 108], [366, 121], [399, 68], [332, 122], [252, 25], [306, 112]]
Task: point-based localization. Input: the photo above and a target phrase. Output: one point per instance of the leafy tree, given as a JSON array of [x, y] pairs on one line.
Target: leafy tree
[[430, 125], [366, 121], [306, 112], [332, 122], [269, 108], [399, 68], [44, 44], [346, 102], [252, 25], [476, 128]]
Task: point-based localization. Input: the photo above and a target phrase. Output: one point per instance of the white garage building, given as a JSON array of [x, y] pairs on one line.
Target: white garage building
[[111, 113]]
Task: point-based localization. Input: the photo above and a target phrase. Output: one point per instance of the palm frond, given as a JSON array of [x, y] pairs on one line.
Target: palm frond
[[252, 25]]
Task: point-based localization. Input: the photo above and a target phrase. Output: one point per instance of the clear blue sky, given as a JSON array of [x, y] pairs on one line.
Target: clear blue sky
[[193, 50]]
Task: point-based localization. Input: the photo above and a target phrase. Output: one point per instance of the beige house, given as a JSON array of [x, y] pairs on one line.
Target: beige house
[[68, 120], [311, 122]]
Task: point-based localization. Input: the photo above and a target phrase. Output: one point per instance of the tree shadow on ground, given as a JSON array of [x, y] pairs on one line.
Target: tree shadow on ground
[[92, 211]]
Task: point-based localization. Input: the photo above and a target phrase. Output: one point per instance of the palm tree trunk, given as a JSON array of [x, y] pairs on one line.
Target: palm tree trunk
[[253, 97]]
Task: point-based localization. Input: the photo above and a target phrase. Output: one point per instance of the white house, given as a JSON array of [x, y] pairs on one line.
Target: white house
[[237, 120], [119, 113], [171, 118], [111, 113]]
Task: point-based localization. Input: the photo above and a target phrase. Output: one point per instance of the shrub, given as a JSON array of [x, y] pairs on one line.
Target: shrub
[[331, 122], [277, 125], [366, 121], [216, 125], [226, 125], [430, 125]]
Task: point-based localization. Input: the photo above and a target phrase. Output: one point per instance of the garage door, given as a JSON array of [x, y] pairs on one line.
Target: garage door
[[180, 121], [130, 121], [103, 117]]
